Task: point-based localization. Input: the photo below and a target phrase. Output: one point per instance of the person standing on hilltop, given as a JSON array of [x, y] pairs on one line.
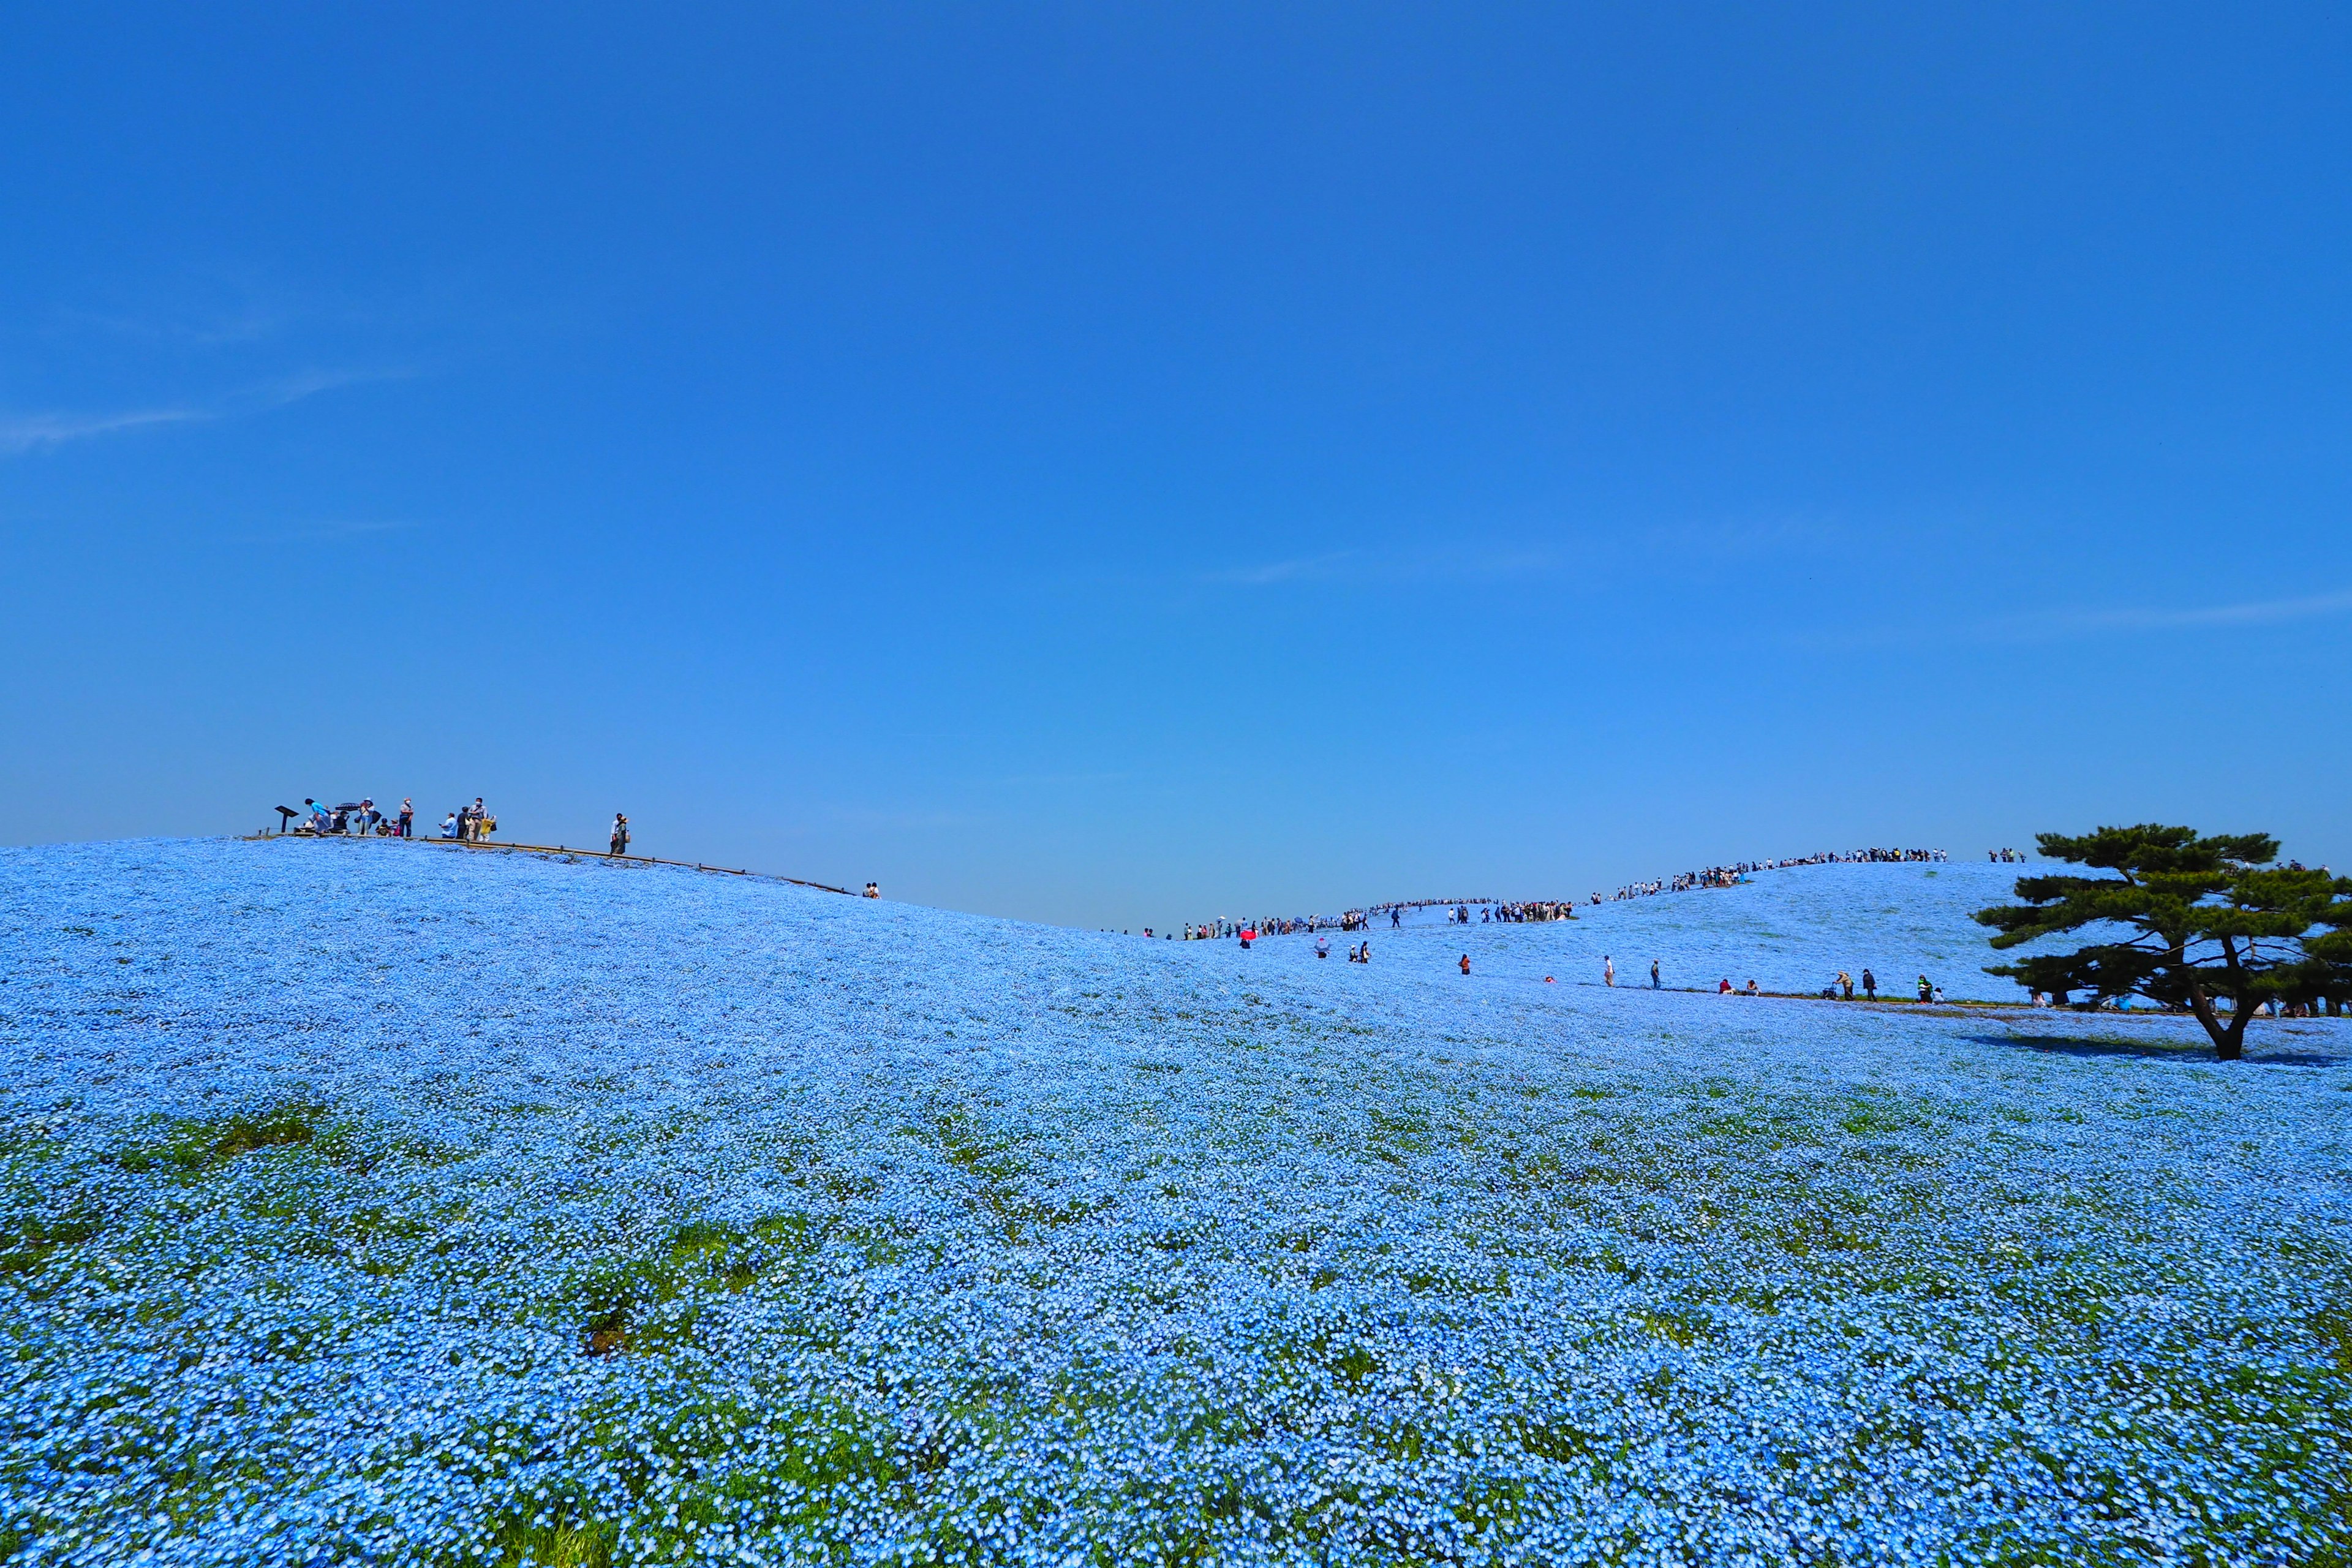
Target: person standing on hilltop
[[407, 818], [620, 833]]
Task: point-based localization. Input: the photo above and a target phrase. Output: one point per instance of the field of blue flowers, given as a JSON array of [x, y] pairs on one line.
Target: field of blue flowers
[[381, 1203]]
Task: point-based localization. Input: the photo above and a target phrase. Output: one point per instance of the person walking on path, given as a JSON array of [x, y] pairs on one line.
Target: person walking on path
[[1654, 974], [1608, 970], [1869, 985], [620, 833], [1845, 984]]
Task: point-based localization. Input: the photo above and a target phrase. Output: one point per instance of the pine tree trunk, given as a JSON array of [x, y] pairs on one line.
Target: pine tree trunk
[[2202, 1006], [2231, 1047], [2229, 1039]]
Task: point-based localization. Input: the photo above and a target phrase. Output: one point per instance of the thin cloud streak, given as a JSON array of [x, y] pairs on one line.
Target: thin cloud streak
[[332, 529], [32, 432], [1480, 557], [1389, 566], [2264, 612], [1306, 568], [2058, 626], [20, 434]]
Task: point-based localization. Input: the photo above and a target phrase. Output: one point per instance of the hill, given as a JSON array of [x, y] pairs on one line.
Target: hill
[[377, 1202]]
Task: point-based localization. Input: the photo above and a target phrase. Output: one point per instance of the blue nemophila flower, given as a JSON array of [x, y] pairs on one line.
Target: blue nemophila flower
[[499, 1209]]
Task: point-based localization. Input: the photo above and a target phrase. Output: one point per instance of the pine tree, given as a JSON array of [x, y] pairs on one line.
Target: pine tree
[[2196, 922]]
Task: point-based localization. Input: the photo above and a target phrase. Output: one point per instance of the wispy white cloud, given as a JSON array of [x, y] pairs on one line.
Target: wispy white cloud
[[328, 531], [2253, 612], [2065, 625], [30, 432], [1305, 568], [25, 433], [304, 384], [211, 330], [1416, 563], [1054, 781]]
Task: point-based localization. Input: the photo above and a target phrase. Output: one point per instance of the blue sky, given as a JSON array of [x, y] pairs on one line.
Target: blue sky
[[1115, 465]]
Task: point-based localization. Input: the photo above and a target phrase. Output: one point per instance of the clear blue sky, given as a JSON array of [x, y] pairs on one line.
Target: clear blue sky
[[1118, 464]]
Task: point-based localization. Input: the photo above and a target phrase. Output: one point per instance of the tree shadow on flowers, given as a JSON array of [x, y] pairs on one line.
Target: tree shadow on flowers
[[2193, 1051]]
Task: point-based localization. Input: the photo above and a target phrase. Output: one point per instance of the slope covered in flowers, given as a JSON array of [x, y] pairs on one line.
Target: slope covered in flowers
[[372, 1202]]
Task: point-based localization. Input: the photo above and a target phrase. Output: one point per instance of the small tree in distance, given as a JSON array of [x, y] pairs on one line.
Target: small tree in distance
[[2209, 920]]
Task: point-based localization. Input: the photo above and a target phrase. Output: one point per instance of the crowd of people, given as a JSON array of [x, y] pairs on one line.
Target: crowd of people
[[1518, 913], [363, 819], [360, 818], [353, 818]]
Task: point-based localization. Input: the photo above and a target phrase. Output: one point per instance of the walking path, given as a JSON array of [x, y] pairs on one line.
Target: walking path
[[467, 846]]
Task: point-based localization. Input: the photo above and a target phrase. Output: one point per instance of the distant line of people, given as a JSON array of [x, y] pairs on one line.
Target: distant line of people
[[1736, 872], [1490, 911]]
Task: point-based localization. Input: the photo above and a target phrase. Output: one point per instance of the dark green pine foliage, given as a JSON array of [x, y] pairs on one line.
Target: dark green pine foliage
[[2196, 922]]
